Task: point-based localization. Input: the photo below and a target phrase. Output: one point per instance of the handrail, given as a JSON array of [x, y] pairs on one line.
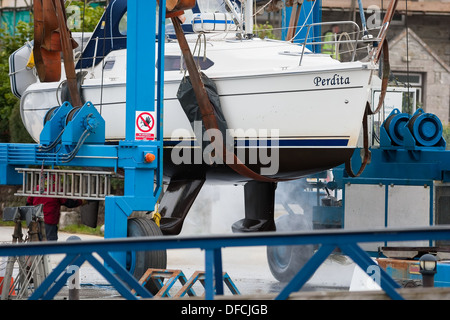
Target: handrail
[[335, 42], [347, 240]]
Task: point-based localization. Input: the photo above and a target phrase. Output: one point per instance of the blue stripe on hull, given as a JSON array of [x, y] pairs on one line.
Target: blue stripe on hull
[[268, 143]]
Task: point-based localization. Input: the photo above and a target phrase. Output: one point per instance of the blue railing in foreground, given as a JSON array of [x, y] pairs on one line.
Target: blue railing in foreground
[[78, 252]]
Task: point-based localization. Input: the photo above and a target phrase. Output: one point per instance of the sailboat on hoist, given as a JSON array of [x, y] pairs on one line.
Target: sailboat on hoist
[[310, 112], [287, 111]]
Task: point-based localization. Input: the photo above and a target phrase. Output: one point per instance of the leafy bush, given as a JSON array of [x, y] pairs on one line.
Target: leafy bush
[[9, 44], [81, 19], [446, 134], [11, 127], [264, 31]]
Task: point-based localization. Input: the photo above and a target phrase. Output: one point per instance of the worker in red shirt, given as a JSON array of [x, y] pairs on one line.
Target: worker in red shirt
[[52, 212]]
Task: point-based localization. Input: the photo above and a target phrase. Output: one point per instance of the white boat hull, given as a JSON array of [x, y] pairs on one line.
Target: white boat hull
[[297, 108]]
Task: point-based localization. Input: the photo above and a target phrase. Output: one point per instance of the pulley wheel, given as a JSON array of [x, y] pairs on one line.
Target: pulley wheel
[[71, 114], [394, 125], [50, 114], [426, 128]]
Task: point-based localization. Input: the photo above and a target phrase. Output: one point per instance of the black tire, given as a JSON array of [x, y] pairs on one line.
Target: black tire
[[286, 261], [138, 262]]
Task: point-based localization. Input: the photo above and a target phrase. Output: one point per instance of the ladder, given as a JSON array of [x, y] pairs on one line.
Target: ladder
[[69, 184]]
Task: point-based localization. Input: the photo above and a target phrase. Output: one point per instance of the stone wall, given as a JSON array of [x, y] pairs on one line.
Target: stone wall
[[429, 55], [423, 60], [8, 199]]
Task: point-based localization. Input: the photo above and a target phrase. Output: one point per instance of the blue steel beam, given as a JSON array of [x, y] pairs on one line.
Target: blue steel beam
[[310, 12], [401, 166], [307, 271], [139, 191], [22, 154], [362, 259], [213, 273], [144, 45], [60, 282], [329, 239], [332, 237]]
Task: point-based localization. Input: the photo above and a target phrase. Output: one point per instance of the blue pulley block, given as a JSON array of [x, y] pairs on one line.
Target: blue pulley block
[[394, 126], [426, 128], [84, 125], [54, 123]]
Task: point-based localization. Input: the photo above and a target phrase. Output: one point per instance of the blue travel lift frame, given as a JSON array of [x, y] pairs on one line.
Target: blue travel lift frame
[[82, 145], [81, 141], [77, 252], [310, 12], [412, 152]]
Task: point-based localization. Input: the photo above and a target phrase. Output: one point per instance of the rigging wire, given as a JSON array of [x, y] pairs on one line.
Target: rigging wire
[[103, 65], [407, 52], [306, 20], [82, 32]]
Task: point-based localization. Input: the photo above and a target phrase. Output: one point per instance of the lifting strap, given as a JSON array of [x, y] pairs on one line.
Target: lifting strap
[[175, 8], [51, 37], [295, 14], [207, 110], [382, 48], [46, 42], [368, 111]]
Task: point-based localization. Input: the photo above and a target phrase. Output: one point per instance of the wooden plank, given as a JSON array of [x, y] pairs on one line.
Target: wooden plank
[[413, 7], [418, 293]]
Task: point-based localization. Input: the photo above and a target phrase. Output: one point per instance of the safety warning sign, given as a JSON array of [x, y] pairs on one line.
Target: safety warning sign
[[145, 125]]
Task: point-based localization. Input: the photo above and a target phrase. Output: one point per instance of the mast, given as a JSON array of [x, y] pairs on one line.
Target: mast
[[248, 16]]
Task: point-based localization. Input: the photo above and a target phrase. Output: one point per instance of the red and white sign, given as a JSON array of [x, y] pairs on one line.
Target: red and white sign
[[145, 125]]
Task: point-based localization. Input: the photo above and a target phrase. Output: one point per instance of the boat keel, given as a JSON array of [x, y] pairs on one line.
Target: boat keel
[[259, 208], [176, 202]]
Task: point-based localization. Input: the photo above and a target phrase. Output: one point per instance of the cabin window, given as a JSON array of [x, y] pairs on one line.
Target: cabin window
[[109, 64], [412, 80], [211, 6], [123, 25], [172, 63]]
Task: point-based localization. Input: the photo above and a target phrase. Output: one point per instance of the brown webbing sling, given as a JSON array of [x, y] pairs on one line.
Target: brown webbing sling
[[382, 48], [51, 37], [207, 110]]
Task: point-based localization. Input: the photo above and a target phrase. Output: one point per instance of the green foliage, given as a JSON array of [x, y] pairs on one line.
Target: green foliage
[[264, 31], [8, 44], [82, 229], [446, 134], [17, 131], [81, 19], [11, 127]]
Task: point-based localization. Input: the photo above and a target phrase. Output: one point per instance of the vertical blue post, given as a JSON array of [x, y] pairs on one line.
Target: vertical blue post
[[213, 273], [317, 18], [431, 186], [160, 93], [142, 99], [141, 39], [363, 17], [310, 12]]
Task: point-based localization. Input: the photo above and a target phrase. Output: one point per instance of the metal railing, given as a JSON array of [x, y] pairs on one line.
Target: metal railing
[[366, 38], [334, 43], [77, 252]]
